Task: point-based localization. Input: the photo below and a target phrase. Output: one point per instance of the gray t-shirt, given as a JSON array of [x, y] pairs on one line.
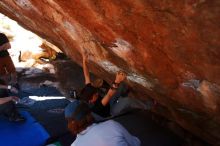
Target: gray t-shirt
[[108, 133]]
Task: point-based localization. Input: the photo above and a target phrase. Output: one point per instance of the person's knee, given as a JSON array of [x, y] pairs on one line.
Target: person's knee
[[121, 105], [126, 104]]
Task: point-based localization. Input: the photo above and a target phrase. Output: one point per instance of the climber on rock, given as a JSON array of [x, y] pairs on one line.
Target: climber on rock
[[90, 93], [114, 101]]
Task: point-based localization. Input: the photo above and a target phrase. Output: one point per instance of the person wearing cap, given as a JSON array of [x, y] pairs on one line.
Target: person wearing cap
[[7, 105], [108, 133], [7, 68], [90, 94]]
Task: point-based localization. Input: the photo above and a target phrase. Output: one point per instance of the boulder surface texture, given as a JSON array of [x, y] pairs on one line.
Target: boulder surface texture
[[170, 49]]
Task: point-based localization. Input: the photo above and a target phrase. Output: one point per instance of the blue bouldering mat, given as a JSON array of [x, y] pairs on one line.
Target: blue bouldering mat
[[28, 133]]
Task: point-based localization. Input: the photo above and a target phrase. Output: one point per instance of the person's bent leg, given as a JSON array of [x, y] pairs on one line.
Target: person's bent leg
[[126, 104]]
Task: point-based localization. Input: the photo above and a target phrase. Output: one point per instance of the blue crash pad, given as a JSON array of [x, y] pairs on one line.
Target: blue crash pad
[[28, 133]]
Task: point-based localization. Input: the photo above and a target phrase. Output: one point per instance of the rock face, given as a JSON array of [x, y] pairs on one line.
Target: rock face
[[170, 49]]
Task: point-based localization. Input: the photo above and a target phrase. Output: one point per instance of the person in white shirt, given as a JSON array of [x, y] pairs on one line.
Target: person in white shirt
[[108, 133]]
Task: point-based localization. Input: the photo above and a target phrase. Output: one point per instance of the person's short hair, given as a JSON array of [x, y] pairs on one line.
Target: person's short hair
[[78, 115], [87, 92], [77, 110]]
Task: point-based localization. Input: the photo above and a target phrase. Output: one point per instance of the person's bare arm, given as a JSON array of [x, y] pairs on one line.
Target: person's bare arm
[[85, 69], [5, 99], [120, 76], [3, 86], [108, 97], [5, 46]]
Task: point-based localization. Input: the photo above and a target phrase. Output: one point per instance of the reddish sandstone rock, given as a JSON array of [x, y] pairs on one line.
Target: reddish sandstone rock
[[170, 49]]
